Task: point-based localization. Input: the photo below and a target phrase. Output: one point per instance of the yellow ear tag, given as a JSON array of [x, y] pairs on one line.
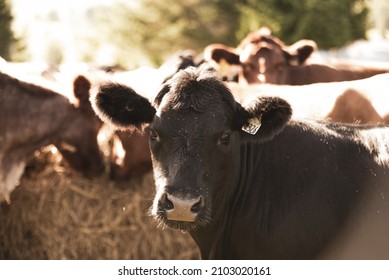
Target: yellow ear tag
[[252, 126]]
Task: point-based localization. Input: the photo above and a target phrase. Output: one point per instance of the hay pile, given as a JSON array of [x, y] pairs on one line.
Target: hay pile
[[57, 214]]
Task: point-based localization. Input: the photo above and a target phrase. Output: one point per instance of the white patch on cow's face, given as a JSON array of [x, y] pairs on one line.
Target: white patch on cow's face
[[262, 78], [262, 65], [160, 183], [262, 69]]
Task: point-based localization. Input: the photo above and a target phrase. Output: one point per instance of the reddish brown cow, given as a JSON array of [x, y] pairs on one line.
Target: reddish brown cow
[[32, 116], [354, 107], [264, 58], [136, 160], [386, 118]]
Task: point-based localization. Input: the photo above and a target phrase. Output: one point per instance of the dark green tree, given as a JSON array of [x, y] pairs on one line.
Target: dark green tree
[[159, 28], [7, 38], [331, 23], [162, 27]]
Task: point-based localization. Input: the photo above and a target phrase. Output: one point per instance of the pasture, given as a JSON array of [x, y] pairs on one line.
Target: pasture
[[56, 213]]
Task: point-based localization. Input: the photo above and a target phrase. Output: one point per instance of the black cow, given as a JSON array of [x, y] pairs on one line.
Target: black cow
[[247, 182]]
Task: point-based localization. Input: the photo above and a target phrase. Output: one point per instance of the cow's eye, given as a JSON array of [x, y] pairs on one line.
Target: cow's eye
[[154, 135], [224, 139]]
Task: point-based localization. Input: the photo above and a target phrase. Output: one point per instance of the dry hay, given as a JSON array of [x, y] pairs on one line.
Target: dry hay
[[57, 214]]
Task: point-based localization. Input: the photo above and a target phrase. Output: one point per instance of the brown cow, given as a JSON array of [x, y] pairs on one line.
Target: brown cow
[[32, 117], [264, 58], [353, 107], [136, 160]]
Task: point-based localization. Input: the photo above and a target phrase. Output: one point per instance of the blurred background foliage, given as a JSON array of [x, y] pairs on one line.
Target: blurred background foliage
[[162, 26], [143, 32], [7, 38]]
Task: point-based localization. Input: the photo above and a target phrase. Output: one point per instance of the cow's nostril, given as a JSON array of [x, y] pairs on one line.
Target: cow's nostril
[[166, 203], [196, 208], [169, 205]]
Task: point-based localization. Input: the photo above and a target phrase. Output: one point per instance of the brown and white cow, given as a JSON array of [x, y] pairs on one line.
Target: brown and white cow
[[263, 58], [32, 117]]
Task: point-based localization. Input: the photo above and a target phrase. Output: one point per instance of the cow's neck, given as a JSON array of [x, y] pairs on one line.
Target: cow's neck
[[212, 240], [247, 197]]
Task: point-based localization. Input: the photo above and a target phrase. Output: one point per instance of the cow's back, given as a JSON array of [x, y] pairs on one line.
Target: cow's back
[[29, 112], [321, 73]]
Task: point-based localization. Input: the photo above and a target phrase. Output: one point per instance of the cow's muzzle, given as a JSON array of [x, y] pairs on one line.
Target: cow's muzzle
[[184, 209]]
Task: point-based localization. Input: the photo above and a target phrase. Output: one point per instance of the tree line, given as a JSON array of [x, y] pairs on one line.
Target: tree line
[[159, 28]]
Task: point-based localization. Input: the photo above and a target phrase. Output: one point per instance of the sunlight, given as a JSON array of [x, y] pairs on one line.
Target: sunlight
[[54, 31]]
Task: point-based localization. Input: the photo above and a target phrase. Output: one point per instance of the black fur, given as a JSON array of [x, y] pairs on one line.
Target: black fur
[[121, 106], [274, 113]]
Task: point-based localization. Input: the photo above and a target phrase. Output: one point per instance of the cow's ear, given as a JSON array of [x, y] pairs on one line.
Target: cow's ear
[[220, 52], [299, 52], [263, 119], [121, 106], [224, 60]]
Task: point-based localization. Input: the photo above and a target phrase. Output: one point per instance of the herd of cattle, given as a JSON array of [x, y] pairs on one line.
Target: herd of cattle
[[256, 152]]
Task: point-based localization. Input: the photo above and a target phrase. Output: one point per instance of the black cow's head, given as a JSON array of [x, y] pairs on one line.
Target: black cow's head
[[196, 129]]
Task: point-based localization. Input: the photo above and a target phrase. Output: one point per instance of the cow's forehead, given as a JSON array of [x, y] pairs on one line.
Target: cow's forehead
[[268, 55], [195, 97], [201, 98], [187, 122]]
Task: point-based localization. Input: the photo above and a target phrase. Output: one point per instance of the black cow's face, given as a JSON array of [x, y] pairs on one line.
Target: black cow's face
[[195, 138], [193, 156]]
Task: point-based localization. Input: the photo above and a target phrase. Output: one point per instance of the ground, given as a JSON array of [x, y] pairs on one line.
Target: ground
[[57, 214]]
